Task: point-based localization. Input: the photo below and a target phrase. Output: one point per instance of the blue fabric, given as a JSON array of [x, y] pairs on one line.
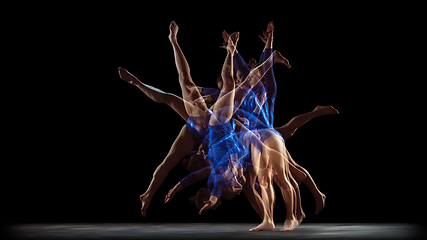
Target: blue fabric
[[228, 152]]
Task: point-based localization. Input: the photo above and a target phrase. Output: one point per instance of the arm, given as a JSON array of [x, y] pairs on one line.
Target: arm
[[219, 186], [187, 181]]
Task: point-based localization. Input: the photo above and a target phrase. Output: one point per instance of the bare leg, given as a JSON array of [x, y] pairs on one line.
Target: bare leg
[[223, 109], [250, 193], [183, 68], [319, 197], [275, 151], [183, 144], [267, 191], [249, 188], [155, 94], [297, 174], [299, 213], [289, 129]]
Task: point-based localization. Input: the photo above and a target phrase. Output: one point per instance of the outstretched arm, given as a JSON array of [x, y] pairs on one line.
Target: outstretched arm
[[187, 181]]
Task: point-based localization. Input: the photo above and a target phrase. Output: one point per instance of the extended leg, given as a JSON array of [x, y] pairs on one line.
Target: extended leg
[[289, 129], [224, 107], [319, 197], [185, 80], [157, 95], [183, 144]]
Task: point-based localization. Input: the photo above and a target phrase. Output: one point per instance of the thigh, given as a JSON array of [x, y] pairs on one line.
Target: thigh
[[177, 104], [183, 144]]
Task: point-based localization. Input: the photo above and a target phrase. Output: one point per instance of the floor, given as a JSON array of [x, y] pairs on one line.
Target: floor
[[204, 231]]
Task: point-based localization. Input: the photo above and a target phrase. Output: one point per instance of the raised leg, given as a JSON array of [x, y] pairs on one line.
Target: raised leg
[[157, 95], [224, 107], [319, 197], [289, 128]]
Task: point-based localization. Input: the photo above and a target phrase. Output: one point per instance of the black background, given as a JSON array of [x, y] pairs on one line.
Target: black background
[[86, 143]]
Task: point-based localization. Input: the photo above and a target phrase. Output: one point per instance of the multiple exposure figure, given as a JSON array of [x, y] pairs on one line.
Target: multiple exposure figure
[[230, 137]]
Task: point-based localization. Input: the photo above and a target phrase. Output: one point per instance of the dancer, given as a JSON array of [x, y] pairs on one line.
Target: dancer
[[185, 139], [225, 149], [291, 127], [178, 105], [270, 156]]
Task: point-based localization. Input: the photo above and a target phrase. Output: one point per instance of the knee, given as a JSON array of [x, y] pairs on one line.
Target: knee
[[286, 132]]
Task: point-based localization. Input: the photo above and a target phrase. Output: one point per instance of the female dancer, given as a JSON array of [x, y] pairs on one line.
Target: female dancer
[[183, 108], [185, 142]]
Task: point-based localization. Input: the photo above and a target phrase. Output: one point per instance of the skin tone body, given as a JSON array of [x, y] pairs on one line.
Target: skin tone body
[[185, 142]]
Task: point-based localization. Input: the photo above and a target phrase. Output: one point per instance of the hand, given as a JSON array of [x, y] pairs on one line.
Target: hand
[[170, 195], [172, 192], [208, 204]]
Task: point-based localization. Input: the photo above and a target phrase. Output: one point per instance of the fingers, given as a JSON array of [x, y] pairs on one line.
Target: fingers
[[263, 39], [203, 208], [169, 196], [207, 206]]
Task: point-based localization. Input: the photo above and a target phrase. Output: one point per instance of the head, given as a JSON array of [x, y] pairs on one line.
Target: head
[[195, 162], [239, 78]]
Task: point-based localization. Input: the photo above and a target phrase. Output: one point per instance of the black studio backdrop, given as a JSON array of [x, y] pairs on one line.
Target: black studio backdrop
[[95, 140]]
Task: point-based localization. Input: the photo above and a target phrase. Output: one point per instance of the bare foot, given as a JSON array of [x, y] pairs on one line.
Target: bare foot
[[277, 57], [234, 38], [289, 225], [264, 226], [320, 203], [173, 31], [125, 75], [326, 110], [145, 200]]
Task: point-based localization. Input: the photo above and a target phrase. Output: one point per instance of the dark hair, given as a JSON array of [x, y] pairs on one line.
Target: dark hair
[[195, 163], [252, 63]]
